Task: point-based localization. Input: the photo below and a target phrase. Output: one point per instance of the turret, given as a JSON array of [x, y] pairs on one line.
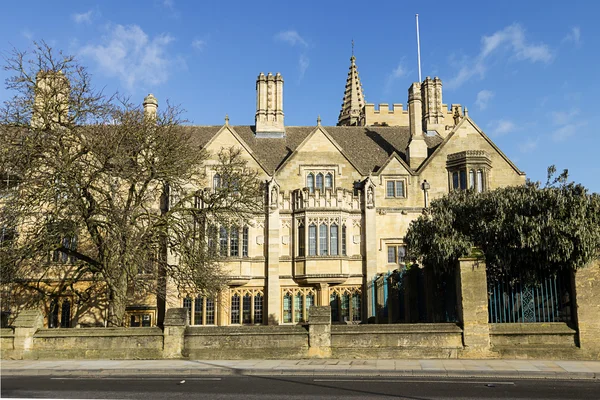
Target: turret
[[269, 106], [417, 148]]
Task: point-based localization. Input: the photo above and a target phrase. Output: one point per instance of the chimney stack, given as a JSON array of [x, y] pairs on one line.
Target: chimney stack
[[51, 103], [417, 148], [269, 106]]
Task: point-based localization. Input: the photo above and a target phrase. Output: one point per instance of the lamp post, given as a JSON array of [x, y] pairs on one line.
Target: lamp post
[[425, 186]]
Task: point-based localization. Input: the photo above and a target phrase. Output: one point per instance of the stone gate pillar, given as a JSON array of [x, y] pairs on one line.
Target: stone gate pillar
[[26, 325], [587, 299], [473, 306], [176, 320], [319, 332]]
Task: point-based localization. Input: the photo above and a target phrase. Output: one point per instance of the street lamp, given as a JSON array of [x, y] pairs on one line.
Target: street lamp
[[425, 186]]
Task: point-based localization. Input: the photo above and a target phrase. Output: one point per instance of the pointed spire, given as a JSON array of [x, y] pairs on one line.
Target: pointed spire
[[352, 112]]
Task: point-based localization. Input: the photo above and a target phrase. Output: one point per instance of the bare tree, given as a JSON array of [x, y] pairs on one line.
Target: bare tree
[[107, 189]]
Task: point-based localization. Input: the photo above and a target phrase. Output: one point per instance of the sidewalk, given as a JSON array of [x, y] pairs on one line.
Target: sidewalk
[[539, 369]]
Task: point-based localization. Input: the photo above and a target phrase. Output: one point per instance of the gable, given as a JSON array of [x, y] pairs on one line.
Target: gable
[[394, 166]]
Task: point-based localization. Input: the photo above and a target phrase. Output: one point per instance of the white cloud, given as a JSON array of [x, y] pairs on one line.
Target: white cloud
[[566, 124], [168, 4], [27, 34], [501, 127], [563, 117], [399, 72], [510, 39], [291, 37], [198, 44], [303, 63], [566, 131], [483, 98], [129, 54], [574, 36], [83, 18], [529, 145]]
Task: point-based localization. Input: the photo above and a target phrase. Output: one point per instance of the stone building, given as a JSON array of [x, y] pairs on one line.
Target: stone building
[[340, 200]]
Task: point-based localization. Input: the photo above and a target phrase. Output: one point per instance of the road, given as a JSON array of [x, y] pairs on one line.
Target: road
[[292, 388]]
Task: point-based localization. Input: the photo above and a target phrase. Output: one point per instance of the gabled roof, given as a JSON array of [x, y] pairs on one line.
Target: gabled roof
[[463, 121], [366, 147]]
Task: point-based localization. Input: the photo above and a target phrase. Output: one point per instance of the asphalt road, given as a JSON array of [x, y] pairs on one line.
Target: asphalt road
[[291, 388]]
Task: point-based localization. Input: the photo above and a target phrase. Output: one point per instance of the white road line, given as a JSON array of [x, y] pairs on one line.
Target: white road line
[[412, 381], [108, 378]]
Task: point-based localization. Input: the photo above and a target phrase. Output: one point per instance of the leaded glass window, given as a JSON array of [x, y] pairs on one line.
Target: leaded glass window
[[298, 307], [333, 303], [234, 242], [287, 308], [471, 179], [235, 309], [323, 240], [245, 242], [312, 240], [356, 312], [479, 181], [389, 189], [258, 308], [247, 309], [210, 312], [320, 181], [301, 240], [343, 240], [198, 310], [333, 234], [310, 182], [328, 181], [223, 241]]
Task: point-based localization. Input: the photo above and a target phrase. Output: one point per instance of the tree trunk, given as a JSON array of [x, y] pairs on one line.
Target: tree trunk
[[117, 302]]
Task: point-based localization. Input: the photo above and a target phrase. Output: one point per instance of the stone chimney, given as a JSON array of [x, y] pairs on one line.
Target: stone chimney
[[417, 148], [269, 106], [51, 104], [433, 113], [150, 106]]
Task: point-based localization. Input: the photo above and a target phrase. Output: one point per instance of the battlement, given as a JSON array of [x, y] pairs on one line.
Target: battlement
[[384, 115]]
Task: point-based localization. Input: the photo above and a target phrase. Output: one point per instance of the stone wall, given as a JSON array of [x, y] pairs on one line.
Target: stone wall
[[246, 342], [7, 337], [396, 341]]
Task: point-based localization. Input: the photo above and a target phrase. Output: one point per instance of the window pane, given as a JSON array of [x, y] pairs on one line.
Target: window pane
[[310, 301], [210, 312], [333, 233], [390, 189], [212, 239], [198, 309], [223, 241], [187, 304], [312, 240], [328, 181], [399, 188], [471, 179], [455, 180], [247, 309], [345, 307], [301, 240], [479, 181], [53, 315], [333, 303], [234, 242], [343, 240], [463, 179], [356, 312], [258, 307], [298, 308], [323, 239], [65, 315], [391, 254], [310, 182], [245, 242], [235, 309], [320, 181], [287, 308], [401, 253], [216, 181]]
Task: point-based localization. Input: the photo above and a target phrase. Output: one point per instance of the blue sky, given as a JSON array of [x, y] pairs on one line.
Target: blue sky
[[526, 70]]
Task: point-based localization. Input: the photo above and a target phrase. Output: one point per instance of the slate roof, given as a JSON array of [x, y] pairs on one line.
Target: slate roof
[[367, 147]]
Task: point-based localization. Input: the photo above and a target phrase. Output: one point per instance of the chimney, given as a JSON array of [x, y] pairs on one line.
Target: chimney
[[51, 104], [433, 115], [269, 106], [150, 106], [417, 148]]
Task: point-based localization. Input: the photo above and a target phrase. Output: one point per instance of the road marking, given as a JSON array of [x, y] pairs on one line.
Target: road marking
[[413, 381], [108, 378]]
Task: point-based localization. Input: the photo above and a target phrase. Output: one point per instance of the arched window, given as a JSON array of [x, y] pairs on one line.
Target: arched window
[[247, 309], [334, 304], [479, 181], [312, 240], [320, 181], [298, 307], [258, 308], [345, 307], [323, 250], [235, 309], [471, 179], [216, 181], [333, 235], [328, 181], [310, 182], [356, 314], [198, 310], [301, 240], [455, 183], [287, 308]]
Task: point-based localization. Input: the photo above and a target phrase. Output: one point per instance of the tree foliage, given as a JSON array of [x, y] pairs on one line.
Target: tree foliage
[[519, 229], [107, 193]]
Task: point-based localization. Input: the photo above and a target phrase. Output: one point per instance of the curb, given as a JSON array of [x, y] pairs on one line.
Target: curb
[[187, 372]]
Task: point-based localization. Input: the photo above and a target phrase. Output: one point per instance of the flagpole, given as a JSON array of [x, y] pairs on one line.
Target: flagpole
[[418, 48]]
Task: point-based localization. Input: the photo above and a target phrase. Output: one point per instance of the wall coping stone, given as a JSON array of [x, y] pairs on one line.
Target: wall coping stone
[[532, 328], [29, 319], [97, 332], [176, 317], [396, 328], [7, 332], [246, 330]]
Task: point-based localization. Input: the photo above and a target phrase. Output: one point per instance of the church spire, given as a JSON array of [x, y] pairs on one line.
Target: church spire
[[352, 112]]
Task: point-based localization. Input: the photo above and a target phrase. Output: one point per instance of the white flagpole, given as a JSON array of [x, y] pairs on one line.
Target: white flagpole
[[418, 48]]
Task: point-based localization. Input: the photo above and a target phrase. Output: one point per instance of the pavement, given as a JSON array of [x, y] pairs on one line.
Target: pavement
[[525, 369]]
